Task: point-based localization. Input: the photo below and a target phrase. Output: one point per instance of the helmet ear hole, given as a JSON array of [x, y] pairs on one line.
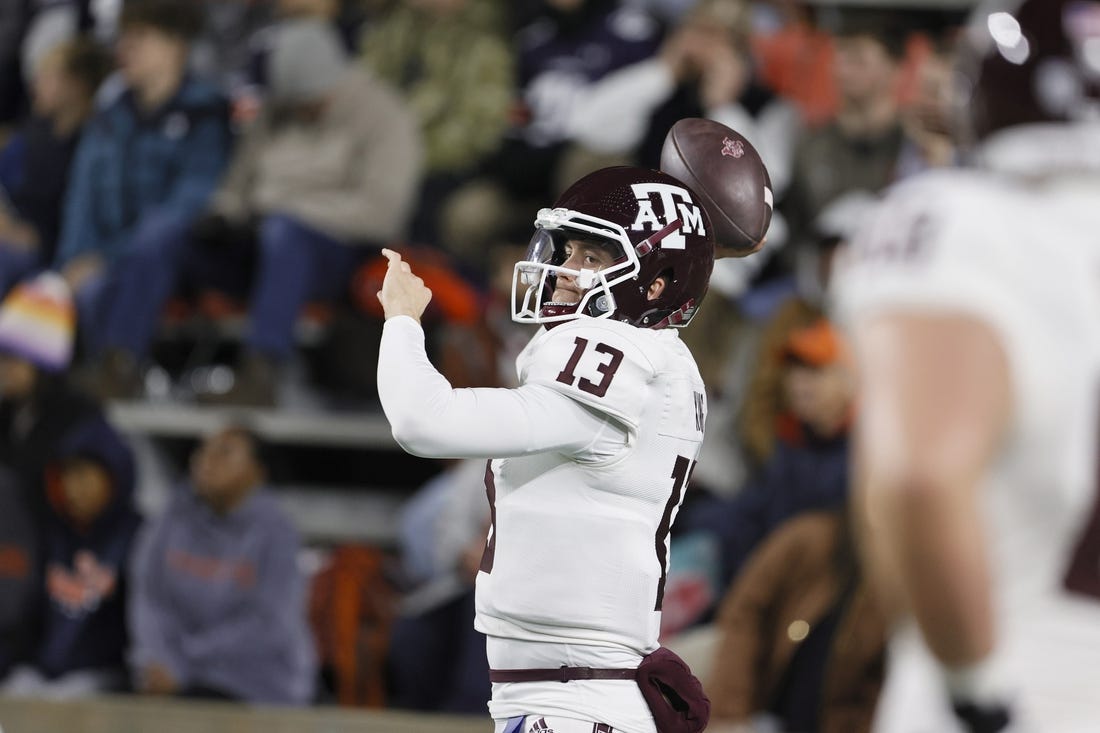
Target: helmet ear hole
[[659, 285]]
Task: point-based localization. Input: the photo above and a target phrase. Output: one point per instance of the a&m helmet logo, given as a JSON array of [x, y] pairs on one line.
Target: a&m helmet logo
[[734, 148], [672, 203]]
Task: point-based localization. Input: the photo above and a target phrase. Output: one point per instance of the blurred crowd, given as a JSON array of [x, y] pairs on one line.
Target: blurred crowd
[[167, 159]]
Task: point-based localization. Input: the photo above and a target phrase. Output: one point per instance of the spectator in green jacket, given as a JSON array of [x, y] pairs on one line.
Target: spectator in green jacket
[[452, 62]]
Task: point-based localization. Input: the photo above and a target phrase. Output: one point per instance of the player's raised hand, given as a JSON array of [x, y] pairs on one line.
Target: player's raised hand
[[402, 293]]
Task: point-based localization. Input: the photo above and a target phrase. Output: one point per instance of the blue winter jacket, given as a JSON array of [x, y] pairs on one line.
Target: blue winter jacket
[[132, 167]]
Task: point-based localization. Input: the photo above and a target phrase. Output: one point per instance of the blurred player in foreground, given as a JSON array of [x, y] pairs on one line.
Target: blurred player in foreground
[[973, 301], [591, 454]]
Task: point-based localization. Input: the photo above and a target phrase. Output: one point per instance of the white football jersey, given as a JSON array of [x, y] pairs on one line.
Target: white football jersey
[[1024, 257], [576, 560], [597, 445]]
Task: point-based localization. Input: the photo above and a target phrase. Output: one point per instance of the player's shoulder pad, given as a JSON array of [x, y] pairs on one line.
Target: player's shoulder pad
[[604, 364]]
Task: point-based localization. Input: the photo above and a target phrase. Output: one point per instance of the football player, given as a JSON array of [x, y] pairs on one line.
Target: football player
[[591, 454], [972, 299]]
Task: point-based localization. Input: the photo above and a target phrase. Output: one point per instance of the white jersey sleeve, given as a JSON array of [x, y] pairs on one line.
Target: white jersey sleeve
[[429, 418], [593, 363]]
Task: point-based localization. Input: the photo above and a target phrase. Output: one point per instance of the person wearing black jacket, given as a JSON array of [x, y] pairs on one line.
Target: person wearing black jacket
[[38, 408], [87, 538], [34, 164]]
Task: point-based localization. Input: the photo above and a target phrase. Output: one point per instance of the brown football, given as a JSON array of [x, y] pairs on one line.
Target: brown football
[[729, 177]]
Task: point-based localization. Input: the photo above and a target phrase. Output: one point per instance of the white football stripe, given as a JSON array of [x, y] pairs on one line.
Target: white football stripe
[[768, 197]]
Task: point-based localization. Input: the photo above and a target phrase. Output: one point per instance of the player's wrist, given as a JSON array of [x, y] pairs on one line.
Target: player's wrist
[[398, 314], [402, 322], [981, 694], [986, 680]]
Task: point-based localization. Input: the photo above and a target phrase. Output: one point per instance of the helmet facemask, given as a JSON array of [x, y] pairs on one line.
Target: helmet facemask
[[536, 276]]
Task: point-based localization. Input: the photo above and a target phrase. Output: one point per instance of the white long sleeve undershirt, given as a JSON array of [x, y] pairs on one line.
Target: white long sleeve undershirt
[[431, 419]]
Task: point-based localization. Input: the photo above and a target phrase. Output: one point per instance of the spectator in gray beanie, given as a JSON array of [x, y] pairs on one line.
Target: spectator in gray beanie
[[326, 174], [306, 63]]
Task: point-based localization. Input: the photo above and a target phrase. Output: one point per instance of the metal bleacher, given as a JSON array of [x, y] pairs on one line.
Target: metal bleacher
[[362, 429], [347, 476]]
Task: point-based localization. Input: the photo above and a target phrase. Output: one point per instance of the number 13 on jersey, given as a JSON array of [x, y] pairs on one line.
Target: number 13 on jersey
[[612, 358]]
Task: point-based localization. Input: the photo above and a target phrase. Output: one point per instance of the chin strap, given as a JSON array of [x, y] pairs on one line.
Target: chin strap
[[678, 317], [650, 243]]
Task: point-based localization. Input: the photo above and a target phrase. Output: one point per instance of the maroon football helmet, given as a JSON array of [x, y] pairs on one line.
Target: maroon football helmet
[[1025, 61], [650, 223]]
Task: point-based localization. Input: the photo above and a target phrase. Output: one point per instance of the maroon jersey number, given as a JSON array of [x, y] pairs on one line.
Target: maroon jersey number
[[490, 542], [681, 474], [606, 368]]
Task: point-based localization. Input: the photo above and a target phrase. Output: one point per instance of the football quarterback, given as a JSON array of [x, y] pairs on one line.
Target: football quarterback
[[590, 455]]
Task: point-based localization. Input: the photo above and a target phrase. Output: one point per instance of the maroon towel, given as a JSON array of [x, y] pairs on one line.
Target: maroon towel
[[674, 695]]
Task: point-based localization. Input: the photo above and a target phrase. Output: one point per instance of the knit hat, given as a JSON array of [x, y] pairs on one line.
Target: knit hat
[[306, 60], [816, 346], [37, 322]]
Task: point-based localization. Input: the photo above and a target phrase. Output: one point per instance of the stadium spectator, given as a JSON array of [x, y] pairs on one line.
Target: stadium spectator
[[808, 468], [346, 16], [763, 395], [218, 603], [37, 404], [927, 118], [801, 636], [51, 23], [796, 57], [237, 38], [455, 68], [326, 172], [667, 11], [438, 661], [146, 163], [564, 47], [20, 584], [86, 548], [34, 166], [860, 147], [704, 69], [229, 45]]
